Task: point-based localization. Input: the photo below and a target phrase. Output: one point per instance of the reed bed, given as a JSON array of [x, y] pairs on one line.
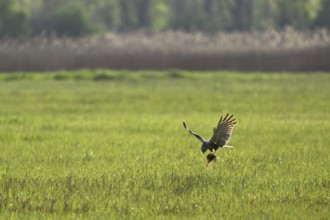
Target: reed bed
[[286, 50]]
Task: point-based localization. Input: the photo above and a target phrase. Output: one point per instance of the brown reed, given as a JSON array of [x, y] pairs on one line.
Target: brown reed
[[287, 50]]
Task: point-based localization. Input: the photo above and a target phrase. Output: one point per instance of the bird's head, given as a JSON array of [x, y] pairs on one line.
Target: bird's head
[[204, 147]]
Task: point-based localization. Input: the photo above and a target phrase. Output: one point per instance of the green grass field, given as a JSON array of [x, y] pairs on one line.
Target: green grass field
[[106, 144]]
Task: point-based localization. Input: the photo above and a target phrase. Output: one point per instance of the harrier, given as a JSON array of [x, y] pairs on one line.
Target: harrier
[[220, 138]]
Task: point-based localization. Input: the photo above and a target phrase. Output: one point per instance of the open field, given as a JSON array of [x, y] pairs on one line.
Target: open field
[[100, 144]]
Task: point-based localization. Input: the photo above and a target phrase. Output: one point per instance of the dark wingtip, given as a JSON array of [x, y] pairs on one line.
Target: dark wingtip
[[222, 119], [225, 118], [230, 117], [231, 121], [184, 125]]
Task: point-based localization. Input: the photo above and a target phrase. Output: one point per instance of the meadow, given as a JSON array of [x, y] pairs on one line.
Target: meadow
[[110, 144]]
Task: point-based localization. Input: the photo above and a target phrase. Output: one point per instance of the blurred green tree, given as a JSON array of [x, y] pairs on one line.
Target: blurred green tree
[[72, 20], [242, 13], [128, 16], [297, 13], [257, 14], [108, 11], [13, 20], [78, 17], [323, 17], [142, 8], [159, 15]]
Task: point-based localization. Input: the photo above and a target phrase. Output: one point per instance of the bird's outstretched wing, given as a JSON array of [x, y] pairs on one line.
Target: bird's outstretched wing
[[223, 130], [193, 133]]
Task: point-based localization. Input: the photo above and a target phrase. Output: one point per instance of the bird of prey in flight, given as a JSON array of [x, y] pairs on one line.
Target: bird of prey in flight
[[220, 138]]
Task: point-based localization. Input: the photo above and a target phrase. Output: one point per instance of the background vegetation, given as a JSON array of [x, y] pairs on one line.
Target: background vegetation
[[250, 51], [73, 17], [107, 144], [247, 35]]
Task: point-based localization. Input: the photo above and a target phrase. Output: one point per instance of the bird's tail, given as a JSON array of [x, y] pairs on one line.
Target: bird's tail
[[227, 146]]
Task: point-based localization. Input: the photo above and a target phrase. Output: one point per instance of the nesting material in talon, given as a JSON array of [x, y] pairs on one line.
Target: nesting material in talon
[[211, 157]]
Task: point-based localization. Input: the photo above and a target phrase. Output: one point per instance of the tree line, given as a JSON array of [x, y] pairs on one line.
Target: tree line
[[80, 17]]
